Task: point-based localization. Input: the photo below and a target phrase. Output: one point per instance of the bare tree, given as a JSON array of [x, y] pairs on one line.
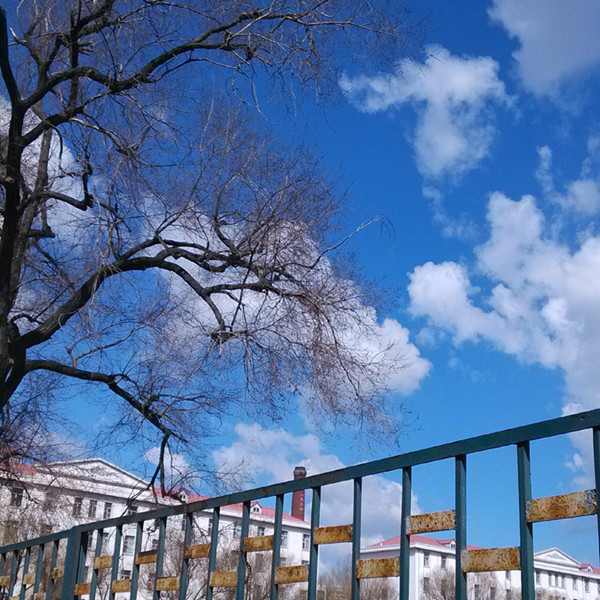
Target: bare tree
[[156, 242], [439, 584]]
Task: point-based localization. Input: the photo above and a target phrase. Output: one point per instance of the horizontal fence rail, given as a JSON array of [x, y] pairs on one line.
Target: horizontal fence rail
[[171, 558]]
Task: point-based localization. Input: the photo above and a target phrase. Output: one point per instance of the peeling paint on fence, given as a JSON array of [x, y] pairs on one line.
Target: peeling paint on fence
[[103, 562], [436, 521], [491, 559], [550, 508], [333, 535], [377, 567], [197, 551], [167, 584], [121, 586], [258, 544], [292, 574], [223, 579]]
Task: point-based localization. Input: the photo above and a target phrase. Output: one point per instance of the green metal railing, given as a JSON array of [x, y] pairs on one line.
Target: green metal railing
[[21, 580]]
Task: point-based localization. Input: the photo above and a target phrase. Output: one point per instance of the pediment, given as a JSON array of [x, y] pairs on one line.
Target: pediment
[[556, 556], [91, 471]]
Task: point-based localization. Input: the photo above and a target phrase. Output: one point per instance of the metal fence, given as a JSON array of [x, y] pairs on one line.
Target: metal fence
[[57, 562]]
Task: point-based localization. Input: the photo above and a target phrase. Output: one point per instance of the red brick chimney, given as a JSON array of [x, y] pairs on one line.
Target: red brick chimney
[[298, 496]]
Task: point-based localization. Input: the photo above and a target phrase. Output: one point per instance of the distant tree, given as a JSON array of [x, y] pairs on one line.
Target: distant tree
[[335, 584], [440, 584], [155, 241]]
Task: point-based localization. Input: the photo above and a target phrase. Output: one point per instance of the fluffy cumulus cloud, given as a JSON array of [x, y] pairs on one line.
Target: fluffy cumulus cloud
[[558, 40], [453, 96], [269, 456], [544, 300]]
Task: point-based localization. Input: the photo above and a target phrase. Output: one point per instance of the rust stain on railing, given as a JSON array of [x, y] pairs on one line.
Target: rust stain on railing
[[223, 579], [197, 551], [103, 562], [565, 506], [377, 567], [258, 544], [145, 558], [333, 535], [121, 586], [491, 559], [435, 521], [167, 584], [291, 574]]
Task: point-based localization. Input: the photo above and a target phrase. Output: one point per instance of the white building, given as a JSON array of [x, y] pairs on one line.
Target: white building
[[557, 575], [38, 500]]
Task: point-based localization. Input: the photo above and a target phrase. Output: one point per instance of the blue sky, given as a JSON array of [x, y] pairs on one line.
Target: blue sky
[[481, 154]]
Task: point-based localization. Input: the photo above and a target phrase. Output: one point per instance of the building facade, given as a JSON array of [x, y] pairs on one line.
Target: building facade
[[432, 563], [39, 500]]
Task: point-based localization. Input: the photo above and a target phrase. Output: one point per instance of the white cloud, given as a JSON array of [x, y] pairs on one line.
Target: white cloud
[[544, 305], [453, 96], [581, 195], [176, 468], [558, 40], [269, 456]]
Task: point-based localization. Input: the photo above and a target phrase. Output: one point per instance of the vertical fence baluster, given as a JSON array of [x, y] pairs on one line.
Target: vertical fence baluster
[[53, 561], [97, 553], [460, 505], [38, 569], [526, 529], [596, 434], [356, 523], [314, 549], [212, 557], [187, 539], [114, 572], [25, 569], [274, 591], [135, 568], [14, 565], [241, 571], [160, 554], [404, 536]]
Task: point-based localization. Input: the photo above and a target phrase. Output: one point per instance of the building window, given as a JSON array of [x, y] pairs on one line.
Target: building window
[[537, 578], [443, 562], [107, 510], [237, 530], [477, 592], [284, 539], [283, 561], [128, 544], [92, 509], [305, 541], [125, 574], [77, 504], [552, 580], [256, 508], [425, 559], [132, 510], [493, 593], [209, 526], [16, 496], [586, 585], [508, 594], [260, 530], [426, 585]]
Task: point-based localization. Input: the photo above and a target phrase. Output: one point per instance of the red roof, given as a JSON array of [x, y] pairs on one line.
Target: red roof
[[265, 511], [420, 539]]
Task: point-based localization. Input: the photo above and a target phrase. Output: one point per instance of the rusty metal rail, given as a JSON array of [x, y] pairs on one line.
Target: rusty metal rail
[[60, 558]]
